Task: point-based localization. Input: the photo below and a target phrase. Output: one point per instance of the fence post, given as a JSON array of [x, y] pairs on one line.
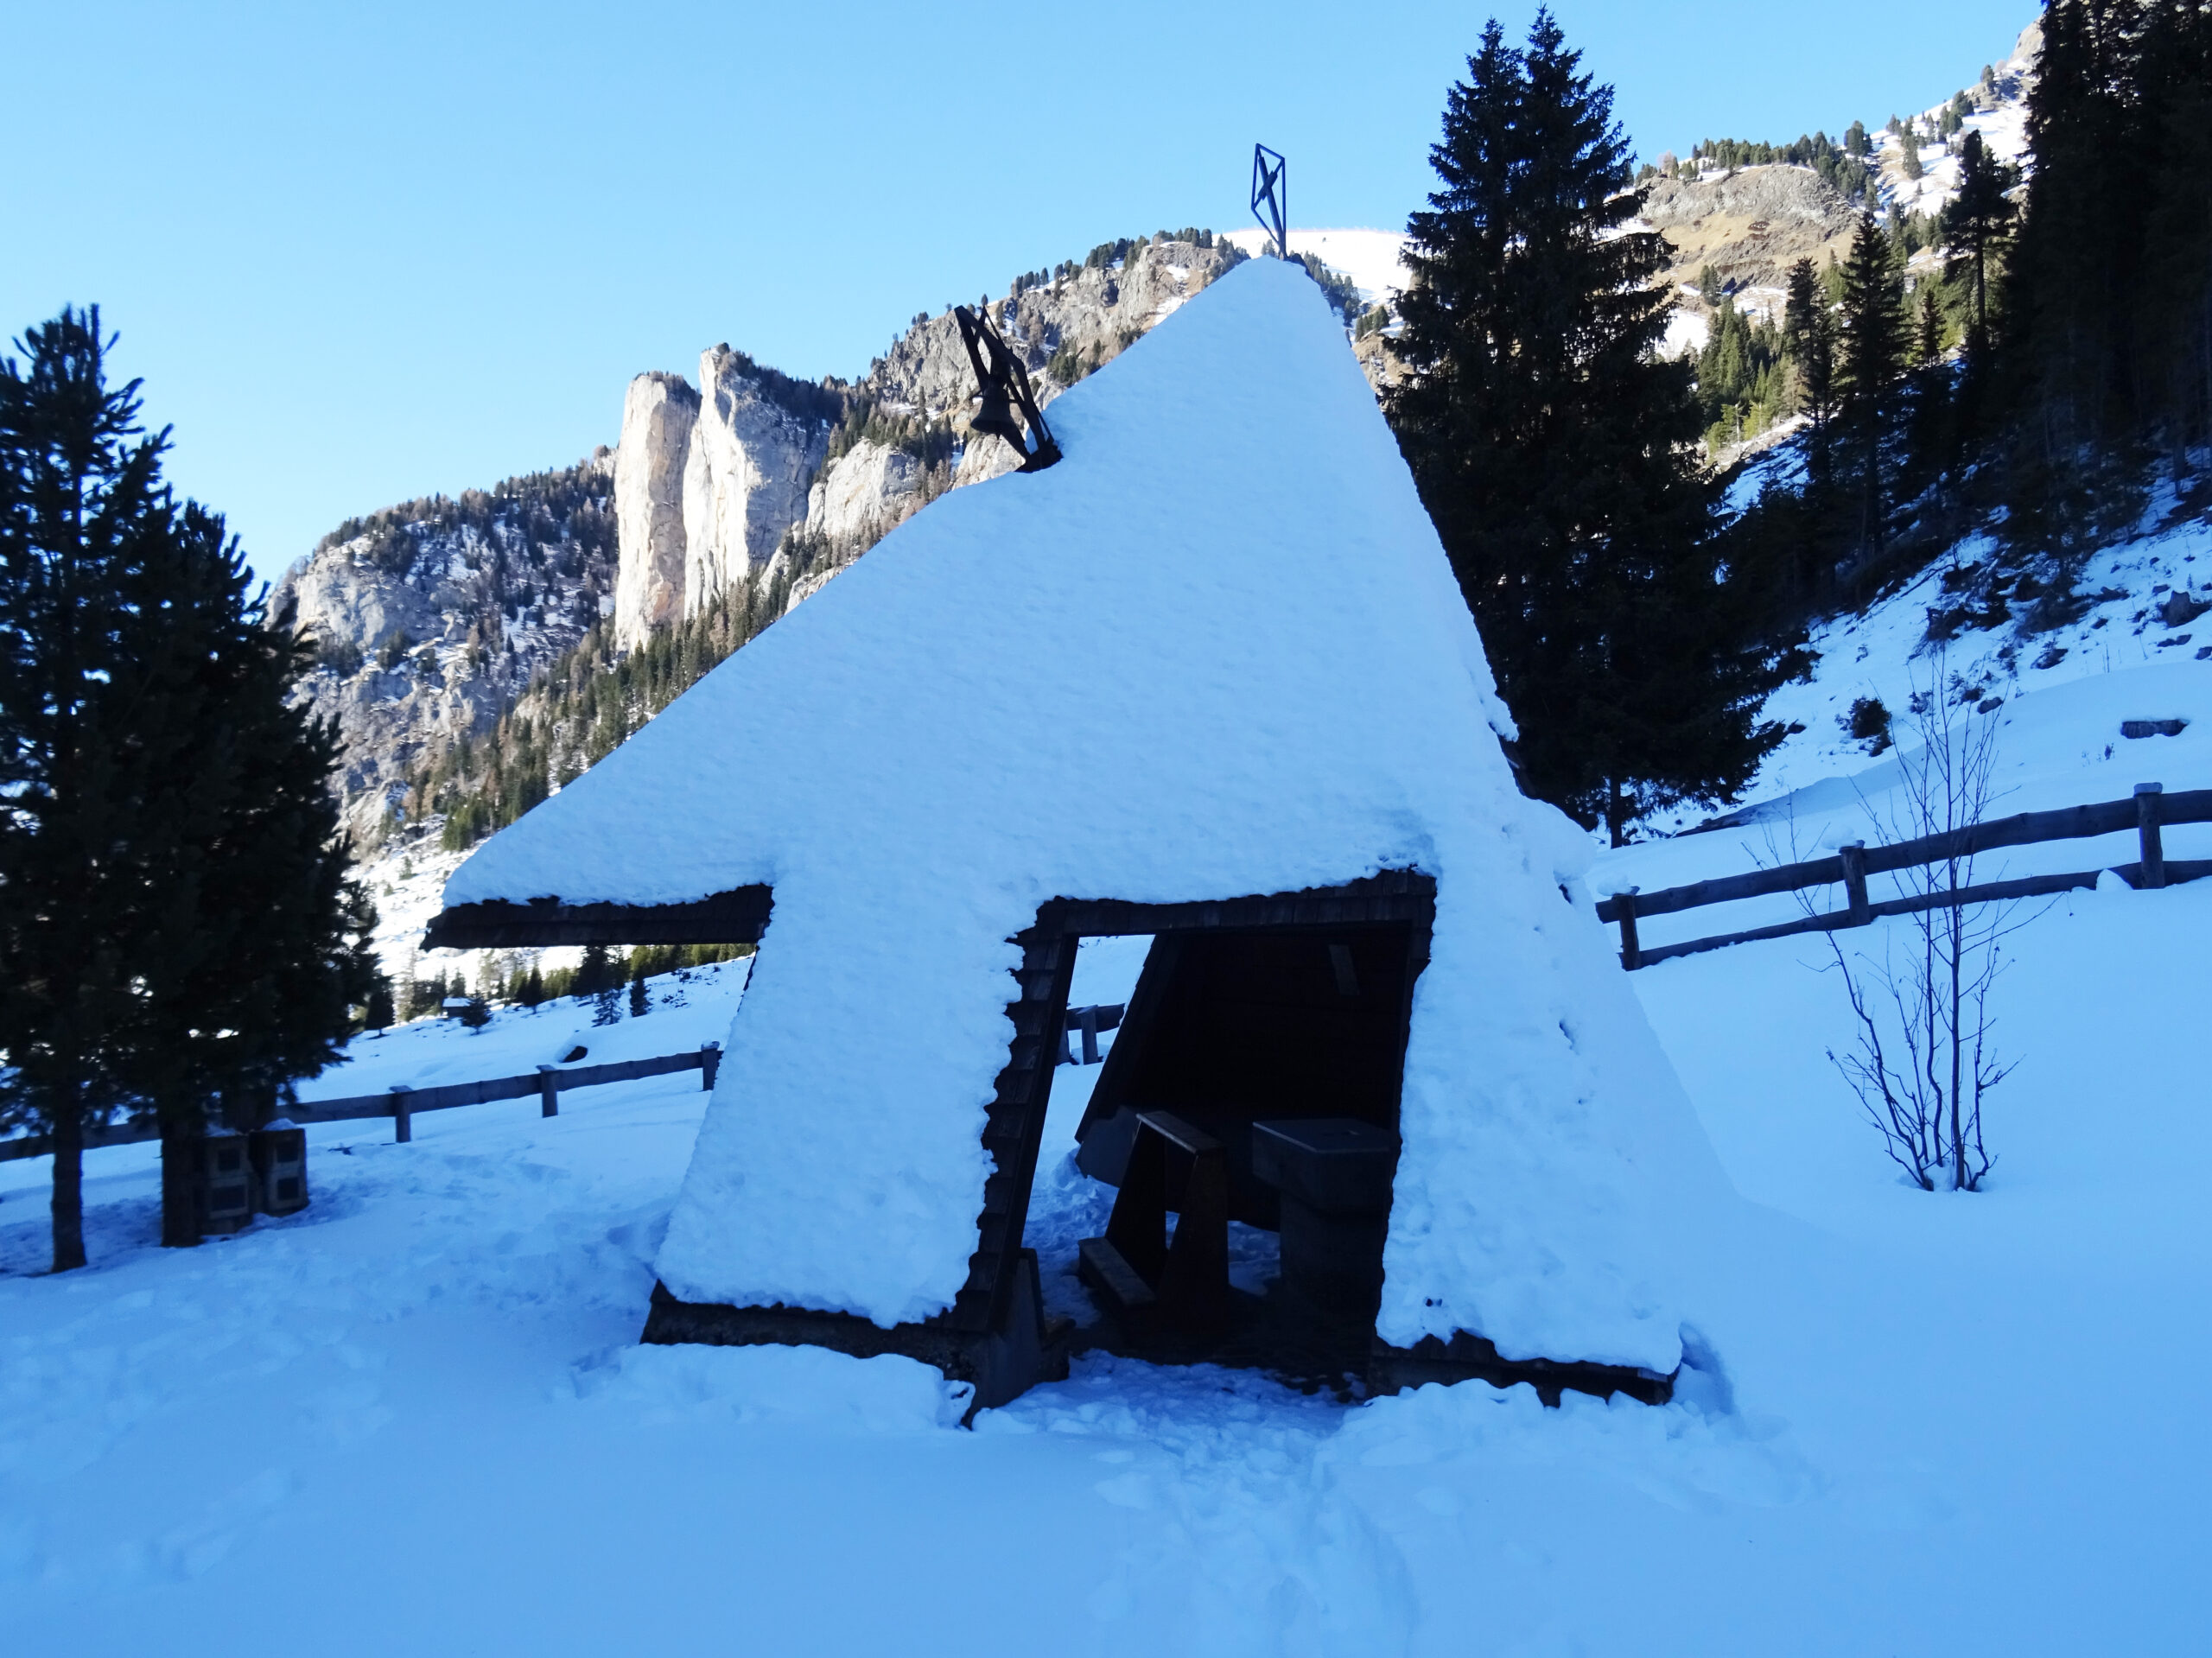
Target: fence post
[[1631, 952], [710, 1060], [549, 1091], [1854, 854], [2147, 803], [403, 1120], [1090, 1036]]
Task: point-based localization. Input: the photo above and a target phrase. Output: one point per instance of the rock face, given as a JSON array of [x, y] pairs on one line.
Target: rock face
[[658, 413], [1750, 226], [774, 498], [431, 617], [754, 454], [868, 494]]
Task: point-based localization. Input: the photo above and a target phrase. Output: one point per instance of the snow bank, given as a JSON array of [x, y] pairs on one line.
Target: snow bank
[[884, 1394], [1218, 651]]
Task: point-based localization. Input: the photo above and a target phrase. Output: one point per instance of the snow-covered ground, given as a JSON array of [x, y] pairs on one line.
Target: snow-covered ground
[[413, 1417]]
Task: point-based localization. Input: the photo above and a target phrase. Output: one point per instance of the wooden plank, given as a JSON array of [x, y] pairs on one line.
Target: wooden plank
[[357, 1108], [737, 916], [1725, 889], [1393, 895], [1836, 920], [2148, 815], [23, 1146], [2024, 828]]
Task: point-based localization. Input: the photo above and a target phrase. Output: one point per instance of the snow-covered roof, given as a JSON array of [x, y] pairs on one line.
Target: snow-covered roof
[[1216, 651]]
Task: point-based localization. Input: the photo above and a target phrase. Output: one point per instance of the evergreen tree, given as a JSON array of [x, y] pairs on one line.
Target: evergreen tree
[[379, 1012], [1808, 334], [254, 947], [529, 991], [1976, 225], [593, 972], [1870, 364], [2070, 286], [640, 999], [1554, 447], [2177, 295], [1928, 330], [80, 503], [179, 935]]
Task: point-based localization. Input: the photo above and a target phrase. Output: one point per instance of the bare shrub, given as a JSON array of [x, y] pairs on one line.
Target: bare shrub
[[1923, 1062]]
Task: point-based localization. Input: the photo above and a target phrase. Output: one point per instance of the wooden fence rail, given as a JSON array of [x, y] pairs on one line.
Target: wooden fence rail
[[401, 1103], [2147, 811]]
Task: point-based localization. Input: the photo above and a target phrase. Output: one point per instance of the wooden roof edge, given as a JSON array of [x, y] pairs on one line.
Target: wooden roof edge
[[737, 916]]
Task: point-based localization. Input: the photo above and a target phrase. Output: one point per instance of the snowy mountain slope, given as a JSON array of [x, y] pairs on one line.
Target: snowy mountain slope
[[1370, 258], [1999, 115], [413, 1416], [2058, 699]]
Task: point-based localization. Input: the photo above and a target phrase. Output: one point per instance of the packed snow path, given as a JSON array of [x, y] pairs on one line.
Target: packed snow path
[[412, 1418]]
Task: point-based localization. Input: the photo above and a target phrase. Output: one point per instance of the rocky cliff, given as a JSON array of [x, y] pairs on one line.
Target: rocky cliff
[[430, 617], [771, 486]]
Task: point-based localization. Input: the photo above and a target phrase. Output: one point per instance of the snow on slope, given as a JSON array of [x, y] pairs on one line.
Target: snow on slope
[[1372, 258], [688, 1009]]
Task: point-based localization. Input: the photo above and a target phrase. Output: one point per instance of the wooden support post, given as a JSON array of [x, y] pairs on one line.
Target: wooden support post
[[1853, 856], [2148, 799], [549, 1091], [1631, 952], [710, 1060], [403, 1120], [1090, 1036]]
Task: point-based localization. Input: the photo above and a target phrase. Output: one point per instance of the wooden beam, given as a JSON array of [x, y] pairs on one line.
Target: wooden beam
[[2024, 828], [737, 916]]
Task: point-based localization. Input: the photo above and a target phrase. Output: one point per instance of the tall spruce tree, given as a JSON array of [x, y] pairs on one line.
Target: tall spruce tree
[[1556, 451], [1977, 224], [253, 947], [1872, 361], [1809, 330], [177, 935]]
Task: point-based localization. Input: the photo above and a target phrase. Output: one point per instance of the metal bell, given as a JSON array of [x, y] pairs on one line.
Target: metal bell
[[995, 418]]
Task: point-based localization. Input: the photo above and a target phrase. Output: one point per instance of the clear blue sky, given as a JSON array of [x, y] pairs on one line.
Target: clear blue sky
[[362, 253]]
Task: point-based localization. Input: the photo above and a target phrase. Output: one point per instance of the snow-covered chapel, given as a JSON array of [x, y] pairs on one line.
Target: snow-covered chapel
[[1208, 679]]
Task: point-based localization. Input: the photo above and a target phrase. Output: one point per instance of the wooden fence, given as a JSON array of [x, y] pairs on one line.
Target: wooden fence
[[400, 1104], [2146, 812]]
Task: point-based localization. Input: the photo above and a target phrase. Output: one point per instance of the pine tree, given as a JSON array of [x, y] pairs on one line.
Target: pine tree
[[180, 932], [640, 999], [253, 949], [1928, 330], [1870, 364], [2070, 286], [1976, 225], [1554, 447], [80, 503], [593, 971], [1808, 333], [379, 1012]]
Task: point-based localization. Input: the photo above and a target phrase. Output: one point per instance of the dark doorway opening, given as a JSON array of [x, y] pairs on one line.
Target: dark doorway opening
[[1231, 1026], [1245, 1123]]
